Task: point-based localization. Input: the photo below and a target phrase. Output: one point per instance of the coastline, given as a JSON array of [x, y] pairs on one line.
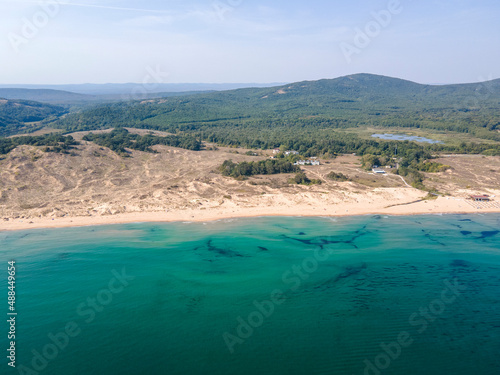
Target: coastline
[[441, 205]]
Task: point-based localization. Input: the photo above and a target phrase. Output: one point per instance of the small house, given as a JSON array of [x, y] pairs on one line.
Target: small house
[[378, 171]]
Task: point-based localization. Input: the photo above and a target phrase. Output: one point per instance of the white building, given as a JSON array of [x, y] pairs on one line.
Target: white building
[[307, 162]]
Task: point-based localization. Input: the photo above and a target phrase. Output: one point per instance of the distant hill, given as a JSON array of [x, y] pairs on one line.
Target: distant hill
[[369, 86], [359, 100], [144, 96], [128, 88], [76, 100], [42, 95], [365, 88], [345, 102], [19, 115]]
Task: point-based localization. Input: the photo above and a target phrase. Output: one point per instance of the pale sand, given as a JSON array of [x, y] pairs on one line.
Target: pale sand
[[47, 190], [442, 205]]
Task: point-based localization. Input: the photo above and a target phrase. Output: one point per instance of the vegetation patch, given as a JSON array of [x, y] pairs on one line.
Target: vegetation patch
[[246, 169], [52, 143], [334, 176], [301, 179], [119, 139]]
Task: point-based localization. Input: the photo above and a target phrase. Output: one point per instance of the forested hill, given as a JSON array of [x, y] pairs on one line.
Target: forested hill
[[16, 115], [361, 86], [357, 100]]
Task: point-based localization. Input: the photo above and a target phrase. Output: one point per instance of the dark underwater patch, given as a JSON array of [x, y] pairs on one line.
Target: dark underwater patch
[[307, 242], [490, 233], [347, 272], [351, 271], [224, 252], [193, 304], [460, 263], [428, 235], [220, 251], [322, 241], [465, 232]]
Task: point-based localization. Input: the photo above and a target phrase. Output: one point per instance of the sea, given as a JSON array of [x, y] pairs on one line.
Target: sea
[[374, 295]]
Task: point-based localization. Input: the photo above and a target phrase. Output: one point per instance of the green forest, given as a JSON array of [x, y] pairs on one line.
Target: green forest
[[15, 115], [316, 118], [343, 103], [50, 142], [247, 169], [119, 139]]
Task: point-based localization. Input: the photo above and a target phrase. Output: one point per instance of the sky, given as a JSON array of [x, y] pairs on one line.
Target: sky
[[251, 41]]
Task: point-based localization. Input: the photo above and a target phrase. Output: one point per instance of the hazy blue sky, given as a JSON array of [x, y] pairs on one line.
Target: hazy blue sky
[[441, 41]]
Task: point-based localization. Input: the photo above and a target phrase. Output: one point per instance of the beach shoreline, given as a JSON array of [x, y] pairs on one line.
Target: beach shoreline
[[441, 205], [176, 185]]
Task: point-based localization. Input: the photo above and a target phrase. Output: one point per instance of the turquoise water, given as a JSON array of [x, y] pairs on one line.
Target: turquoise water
[[405, 137], [361, 295]]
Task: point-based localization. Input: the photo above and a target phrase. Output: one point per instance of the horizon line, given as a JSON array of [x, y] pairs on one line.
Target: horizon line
[[244, 83]]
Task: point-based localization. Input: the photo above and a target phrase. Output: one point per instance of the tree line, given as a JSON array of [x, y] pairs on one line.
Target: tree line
[[247, 169]]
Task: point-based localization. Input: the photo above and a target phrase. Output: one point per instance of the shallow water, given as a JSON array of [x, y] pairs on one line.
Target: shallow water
[[404, 137], [372, 294]]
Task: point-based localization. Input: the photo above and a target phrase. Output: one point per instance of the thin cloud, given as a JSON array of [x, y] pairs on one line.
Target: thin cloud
[[93, 6], [148, 21]]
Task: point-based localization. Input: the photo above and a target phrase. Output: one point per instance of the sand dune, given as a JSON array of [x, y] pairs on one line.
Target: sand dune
[[40, 190]]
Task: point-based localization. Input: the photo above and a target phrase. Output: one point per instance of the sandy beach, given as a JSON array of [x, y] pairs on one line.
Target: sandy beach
[[48, 190], [399, 206]]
